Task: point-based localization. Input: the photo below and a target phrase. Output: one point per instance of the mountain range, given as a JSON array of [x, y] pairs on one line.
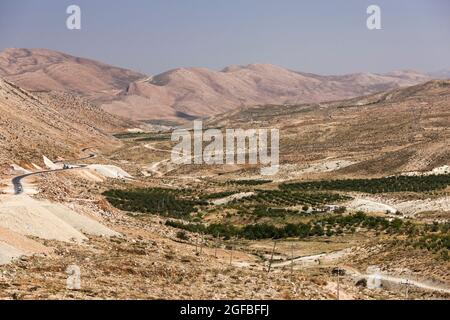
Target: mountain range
[[401, 130], [187, 93]]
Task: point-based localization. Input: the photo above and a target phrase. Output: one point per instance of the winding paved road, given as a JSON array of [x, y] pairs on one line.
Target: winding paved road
[[17, 181]]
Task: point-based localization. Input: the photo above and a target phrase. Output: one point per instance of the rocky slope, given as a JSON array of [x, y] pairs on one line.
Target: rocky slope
[[33, 125]]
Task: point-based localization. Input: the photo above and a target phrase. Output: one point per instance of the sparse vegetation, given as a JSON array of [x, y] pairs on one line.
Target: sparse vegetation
[[434, 242], [433, 237]]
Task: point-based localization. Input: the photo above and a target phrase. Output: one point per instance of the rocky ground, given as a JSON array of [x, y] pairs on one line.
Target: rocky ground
[[148, 262], [140, 265]]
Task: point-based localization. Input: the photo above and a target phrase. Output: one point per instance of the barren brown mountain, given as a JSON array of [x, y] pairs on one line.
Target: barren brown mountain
[[46, 70], [186, 92]]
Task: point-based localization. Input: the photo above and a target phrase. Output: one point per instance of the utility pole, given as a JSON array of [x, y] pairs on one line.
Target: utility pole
[[217, 245], [202, 242], [292, 259], [407, 283], [407, 287], [231, 255], [338, 283], [271, 257], [196, 245]]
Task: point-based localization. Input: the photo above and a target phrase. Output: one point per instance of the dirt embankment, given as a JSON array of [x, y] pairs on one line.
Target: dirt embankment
[[22, 216]]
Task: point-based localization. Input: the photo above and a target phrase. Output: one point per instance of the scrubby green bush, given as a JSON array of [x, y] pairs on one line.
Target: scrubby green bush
[[182, 235]]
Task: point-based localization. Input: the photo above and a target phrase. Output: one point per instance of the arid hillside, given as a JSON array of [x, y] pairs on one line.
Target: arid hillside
[[397, 131], [186, 92], [47, 70], [37, 124]]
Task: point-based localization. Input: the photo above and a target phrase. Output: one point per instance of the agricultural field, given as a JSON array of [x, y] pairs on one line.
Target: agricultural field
[[380, 185], [165, 202], [274, 214], [143, 136]]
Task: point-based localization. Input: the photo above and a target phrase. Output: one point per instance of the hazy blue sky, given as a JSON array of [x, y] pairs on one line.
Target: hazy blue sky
[[328, 37]]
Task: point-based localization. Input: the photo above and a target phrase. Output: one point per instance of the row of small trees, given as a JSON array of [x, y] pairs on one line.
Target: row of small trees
[[286, 198], [249, 182], [326, 226], [143, 136], [379, 185], [183, 202], [165, 202]]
